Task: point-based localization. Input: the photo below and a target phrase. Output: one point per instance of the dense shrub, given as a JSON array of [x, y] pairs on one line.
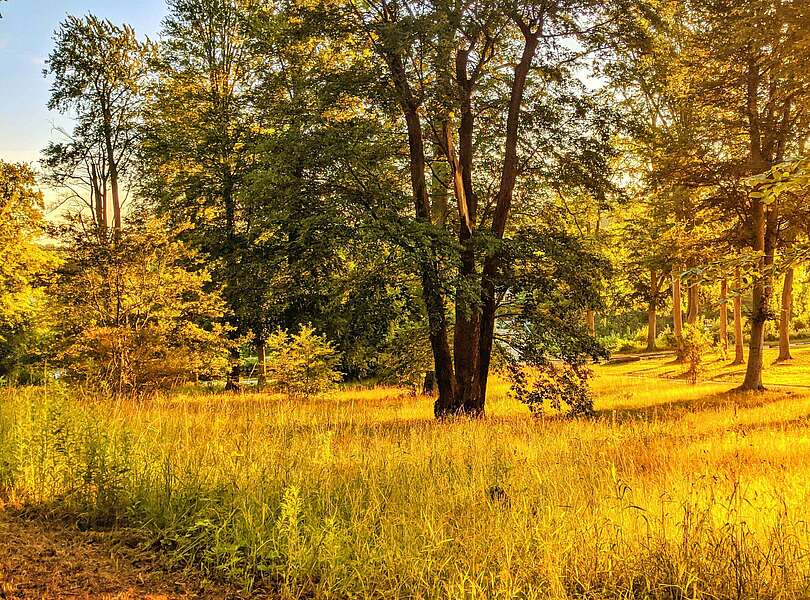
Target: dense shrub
[[302, 364], [697, 341], [406, 356]]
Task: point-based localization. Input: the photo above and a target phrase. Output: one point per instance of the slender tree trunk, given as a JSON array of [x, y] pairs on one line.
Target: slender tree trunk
[[113, 171], [428, 266], [724, 316], [764, 228], [98, 202], [261, 367], [677, 314], [503, 204], [431, 289], [651, 312], [235, 374], [759, 307], [739, 357], [466, 350], [693, 303], [785, 315], [763, 220]]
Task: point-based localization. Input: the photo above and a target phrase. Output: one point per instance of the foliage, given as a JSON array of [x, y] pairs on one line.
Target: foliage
[[697, 340], [553, 278], [24, 266], [405, 358], [561, 387], [98, 69], [301, 364], [134, 318]]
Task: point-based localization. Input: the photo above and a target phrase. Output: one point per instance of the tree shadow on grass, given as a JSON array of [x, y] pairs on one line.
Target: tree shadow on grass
[[676, 409], [801, 422]]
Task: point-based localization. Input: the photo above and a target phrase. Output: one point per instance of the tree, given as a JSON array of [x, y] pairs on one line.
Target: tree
[[301, 364], [460, 77], [98, 69], [133, 318], [749, 60], [23, 267], [195, 150], [785, 187]]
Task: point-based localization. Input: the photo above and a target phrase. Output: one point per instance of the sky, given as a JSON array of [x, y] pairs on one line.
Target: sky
[[26, 31]]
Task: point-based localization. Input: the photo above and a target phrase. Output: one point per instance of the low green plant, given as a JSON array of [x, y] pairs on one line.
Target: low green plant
[[697, 341], [301, 364]]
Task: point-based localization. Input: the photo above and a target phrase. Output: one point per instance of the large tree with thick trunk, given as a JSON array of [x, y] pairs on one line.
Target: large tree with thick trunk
[[491, 88]]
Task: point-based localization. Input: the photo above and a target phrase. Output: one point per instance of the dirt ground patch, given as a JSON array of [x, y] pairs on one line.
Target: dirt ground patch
[[48, 562]]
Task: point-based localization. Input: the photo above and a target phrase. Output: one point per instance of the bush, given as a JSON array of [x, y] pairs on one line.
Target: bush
[[666, 339], [301, 365], [616, 343], [697, 341]]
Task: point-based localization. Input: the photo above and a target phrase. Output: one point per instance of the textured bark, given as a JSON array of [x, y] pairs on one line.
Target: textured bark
[[785, 315], [677, 314], [503, 204], [693, 303], [739, 357], [590, 322], [651, 311], [724, 316], [261, 367]]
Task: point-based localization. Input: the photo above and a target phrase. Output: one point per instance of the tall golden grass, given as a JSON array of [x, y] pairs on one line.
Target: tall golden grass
[[670, 491]]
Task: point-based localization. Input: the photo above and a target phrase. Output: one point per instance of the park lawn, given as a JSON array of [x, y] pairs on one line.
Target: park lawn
[[670, 491], [794, 372]]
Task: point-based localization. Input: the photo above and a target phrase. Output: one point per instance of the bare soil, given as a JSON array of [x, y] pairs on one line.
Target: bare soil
[[51, 561]]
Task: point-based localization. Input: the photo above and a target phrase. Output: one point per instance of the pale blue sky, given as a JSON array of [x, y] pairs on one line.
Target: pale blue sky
[[26, 31]]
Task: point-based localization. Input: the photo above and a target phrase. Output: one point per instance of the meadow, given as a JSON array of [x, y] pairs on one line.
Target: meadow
[[669, 491]]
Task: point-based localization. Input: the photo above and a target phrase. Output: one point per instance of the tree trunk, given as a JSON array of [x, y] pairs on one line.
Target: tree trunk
[[739, 357], [261, 366], [428, 266], [590, 322], [763, 221], [503, 204], [98, 201], [693, 303], [724, 316], [785, 315], [651, 312], [759, 307], [677, 314], [235, 374], [764, 229], [467, 326], [113, 170]]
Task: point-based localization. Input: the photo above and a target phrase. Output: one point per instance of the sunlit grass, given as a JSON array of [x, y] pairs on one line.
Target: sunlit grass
[[670, 491], [794, 372]]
